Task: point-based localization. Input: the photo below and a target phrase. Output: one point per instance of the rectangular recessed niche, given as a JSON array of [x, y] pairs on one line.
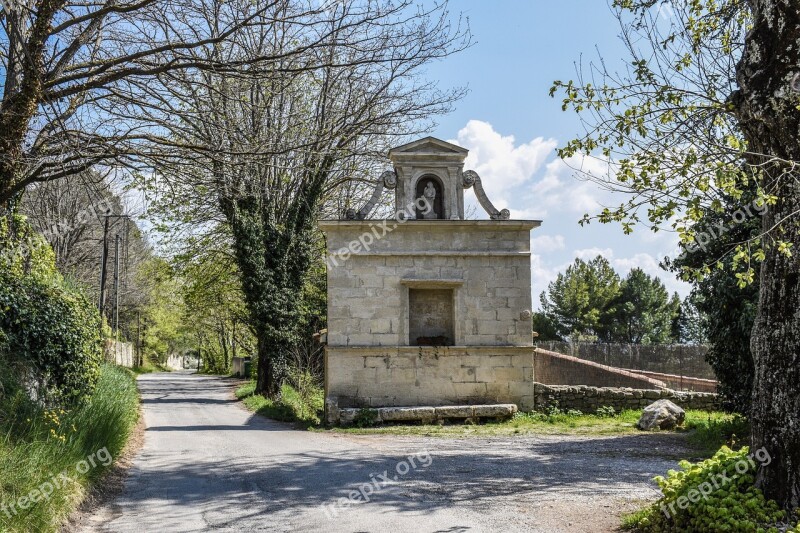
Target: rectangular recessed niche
[[430, 317]]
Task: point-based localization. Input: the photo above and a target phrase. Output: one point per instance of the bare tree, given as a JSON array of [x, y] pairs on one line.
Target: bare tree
[[262, 148], [63, 61]]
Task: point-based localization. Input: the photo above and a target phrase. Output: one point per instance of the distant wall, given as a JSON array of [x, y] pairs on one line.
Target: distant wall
[[558, 369], [121, 353], [237, 367], [589, 399], [677, 359], [684, 383]]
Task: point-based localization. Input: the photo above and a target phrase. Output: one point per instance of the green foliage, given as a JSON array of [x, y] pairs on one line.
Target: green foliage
[[709, 431], [670, 126], [642, 313], [606, 411], [214, 311], [589, 301], [301, 401], [728, 309], [545, 327], [38, 443], [579, 299], [714, 495], [49, 331], [23, 251], [365, 417], [164, 327]]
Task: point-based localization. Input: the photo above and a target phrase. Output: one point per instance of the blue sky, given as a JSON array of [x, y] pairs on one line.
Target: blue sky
[[512, 127]]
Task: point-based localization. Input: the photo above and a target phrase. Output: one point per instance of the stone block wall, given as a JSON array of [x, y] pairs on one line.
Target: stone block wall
[[372, 264], [589, 399], [428, 376], [121, 353]]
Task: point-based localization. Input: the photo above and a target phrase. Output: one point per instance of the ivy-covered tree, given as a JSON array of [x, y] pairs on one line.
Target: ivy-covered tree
[[709, 105], [259, 151]]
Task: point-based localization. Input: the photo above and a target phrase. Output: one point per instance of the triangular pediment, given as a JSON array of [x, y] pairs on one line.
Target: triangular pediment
[[428, 145]]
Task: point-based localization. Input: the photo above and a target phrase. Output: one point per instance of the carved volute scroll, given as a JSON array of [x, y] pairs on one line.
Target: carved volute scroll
[[389, 180], [470, 178]]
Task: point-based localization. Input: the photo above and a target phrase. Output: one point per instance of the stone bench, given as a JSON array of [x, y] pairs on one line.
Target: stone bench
[[431, 414]]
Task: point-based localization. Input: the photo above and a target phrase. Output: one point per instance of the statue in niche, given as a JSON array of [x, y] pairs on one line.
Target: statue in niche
[[431, 208]]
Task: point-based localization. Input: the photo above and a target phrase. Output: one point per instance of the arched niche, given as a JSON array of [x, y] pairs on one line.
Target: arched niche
[[425, 183]]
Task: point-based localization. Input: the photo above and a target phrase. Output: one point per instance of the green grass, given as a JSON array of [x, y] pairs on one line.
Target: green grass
[[705, 430], [36, 445], [302, 403], [148, 367]]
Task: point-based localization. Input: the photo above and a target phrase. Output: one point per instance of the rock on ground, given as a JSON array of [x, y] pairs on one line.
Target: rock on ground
[[661, 414]]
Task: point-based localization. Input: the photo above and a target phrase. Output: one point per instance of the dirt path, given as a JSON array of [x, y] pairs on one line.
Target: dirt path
[[207, 464]]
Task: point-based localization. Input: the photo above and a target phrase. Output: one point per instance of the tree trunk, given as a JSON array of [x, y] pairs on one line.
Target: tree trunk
[[766, 106]]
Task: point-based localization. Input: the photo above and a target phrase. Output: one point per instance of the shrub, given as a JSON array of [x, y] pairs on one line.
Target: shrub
[[606, 411], [717, 494], [49, 338], [365, 418], [49, 331]]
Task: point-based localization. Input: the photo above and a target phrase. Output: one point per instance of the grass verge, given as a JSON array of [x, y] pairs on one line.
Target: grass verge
[[49, 458], [706, 431], [299, 403]]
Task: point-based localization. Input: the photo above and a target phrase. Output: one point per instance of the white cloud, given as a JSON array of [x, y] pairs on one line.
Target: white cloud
[[587, 254], [560, 187], [646, 262], [547, 243], [502, 164]]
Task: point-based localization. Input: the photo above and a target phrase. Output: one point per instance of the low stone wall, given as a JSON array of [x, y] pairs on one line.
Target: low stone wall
[[121, 353], [554, 368], [589, 399], [426, 415], [403, 376]]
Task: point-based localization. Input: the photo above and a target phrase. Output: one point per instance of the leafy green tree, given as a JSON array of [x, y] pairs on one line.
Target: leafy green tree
[[712, 90], [164, 330], [690, 323], [579, 300], [642, 312], [545, 327]]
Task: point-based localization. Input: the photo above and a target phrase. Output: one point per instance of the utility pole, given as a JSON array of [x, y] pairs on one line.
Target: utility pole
[[103, 260], [139, 338], [116, 286]]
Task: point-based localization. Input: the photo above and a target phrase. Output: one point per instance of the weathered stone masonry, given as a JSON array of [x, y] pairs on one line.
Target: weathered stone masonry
[[428, 309], [589, 399]]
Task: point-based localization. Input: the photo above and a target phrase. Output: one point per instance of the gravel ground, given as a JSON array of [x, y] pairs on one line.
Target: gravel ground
[[208, 464]]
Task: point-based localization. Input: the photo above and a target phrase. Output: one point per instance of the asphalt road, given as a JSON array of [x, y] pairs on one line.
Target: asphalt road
[[209, 465]]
